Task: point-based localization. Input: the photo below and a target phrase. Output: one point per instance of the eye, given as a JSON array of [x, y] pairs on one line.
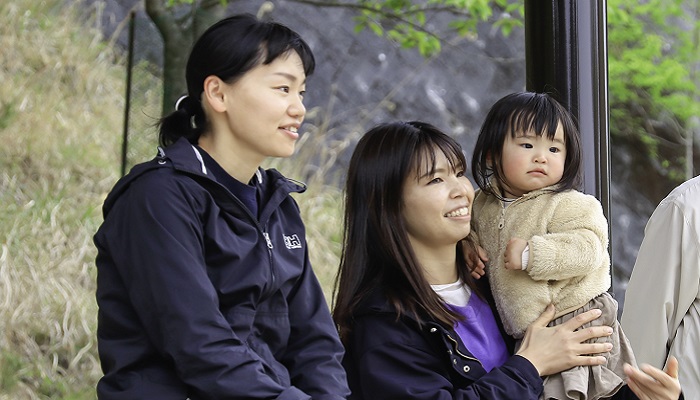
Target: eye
[[302, 93], [526, 145], [460, 173], [435, 180], [284, 88], [554, 149]]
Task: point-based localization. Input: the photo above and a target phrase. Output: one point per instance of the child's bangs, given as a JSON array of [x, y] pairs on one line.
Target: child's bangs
[[537, 118]]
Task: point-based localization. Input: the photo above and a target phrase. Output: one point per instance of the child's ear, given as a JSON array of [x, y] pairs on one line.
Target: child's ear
[[489, 160]]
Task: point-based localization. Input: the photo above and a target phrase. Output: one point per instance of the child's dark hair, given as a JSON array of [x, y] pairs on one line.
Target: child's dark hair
[[519, 113], [228, 49]]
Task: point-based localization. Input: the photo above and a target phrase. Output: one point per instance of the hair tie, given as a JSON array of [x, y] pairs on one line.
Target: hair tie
[[177, 103]]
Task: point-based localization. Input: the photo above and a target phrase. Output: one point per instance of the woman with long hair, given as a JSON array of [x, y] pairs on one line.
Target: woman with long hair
[[414, 322]]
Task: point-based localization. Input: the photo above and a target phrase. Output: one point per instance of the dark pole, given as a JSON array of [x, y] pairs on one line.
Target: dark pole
[[566, 54], [127, 101]]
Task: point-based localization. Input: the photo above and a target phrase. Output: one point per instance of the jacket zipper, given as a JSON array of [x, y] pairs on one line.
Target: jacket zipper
[[267, 293], [456, 347]]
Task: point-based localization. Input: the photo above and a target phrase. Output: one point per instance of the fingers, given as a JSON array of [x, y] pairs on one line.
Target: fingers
[[546, 317], [596, 351], [653, 383], [584, 318], [477, 274], [482, 254], [592, 360], [672, 367], [477, 268], [665, 378]]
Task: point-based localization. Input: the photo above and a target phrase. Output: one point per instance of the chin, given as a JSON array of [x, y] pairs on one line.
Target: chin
[[284, 153]]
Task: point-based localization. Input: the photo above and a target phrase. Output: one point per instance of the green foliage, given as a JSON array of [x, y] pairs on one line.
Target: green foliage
[[651, 82], [171, 3], [410, 24], [651, 55], [10, 367], [7, 112]]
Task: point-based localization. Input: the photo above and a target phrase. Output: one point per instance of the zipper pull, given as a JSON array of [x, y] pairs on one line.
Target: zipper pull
[[267, 239], [502, 221]]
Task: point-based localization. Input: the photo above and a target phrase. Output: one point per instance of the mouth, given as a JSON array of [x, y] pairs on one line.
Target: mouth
[[291, 130], [538, 172], [460, 212]]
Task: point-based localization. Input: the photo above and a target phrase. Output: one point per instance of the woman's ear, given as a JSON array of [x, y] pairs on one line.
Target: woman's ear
[[214, 93]]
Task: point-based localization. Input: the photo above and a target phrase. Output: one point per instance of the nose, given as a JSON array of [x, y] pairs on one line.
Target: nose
[[296, 108], [540, 157], [463, 188]]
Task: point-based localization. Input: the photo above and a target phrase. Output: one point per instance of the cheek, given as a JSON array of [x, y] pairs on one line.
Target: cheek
[[511, 166]]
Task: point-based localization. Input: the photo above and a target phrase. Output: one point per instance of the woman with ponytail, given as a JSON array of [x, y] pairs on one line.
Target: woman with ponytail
[[204, 285]]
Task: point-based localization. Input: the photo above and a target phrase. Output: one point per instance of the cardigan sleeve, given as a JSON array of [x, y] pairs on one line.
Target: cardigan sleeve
[[576, 240]]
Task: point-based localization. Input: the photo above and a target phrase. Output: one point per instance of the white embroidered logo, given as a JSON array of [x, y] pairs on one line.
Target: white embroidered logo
[[292, 242]]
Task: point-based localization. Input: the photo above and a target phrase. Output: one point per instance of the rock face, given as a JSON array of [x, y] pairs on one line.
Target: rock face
[[362, 79]]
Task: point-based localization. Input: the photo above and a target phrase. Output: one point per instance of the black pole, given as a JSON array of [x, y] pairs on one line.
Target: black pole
[[127, 101], [566, 54]]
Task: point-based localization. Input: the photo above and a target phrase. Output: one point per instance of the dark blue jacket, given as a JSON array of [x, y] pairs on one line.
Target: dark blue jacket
[[197, 298], [390, 358]]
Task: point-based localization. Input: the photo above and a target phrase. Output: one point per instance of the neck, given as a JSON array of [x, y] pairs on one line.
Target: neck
[[439, 264], [223, 150]]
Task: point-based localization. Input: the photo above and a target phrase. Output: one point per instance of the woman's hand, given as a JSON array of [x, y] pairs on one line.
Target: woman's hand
[[652, 383], [476, 259], [558, 348]]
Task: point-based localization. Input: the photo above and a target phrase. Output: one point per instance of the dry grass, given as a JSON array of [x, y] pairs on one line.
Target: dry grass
[[61, 95], [61, 105]]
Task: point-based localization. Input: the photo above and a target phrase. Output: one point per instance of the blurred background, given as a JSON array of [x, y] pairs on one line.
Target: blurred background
[[82, 85]]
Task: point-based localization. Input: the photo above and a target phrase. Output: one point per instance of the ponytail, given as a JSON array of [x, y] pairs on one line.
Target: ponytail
[[228, 49], [186, 121]]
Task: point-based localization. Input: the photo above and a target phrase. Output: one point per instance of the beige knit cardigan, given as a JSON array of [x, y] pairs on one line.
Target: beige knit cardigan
[[569, 265]]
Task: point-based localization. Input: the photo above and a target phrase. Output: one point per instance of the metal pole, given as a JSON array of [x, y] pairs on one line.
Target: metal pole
[[566, 54], [127, 101]]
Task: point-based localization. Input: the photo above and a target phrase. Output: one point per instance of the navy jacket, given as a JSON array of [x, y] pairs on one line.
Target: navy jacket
[[199, 299], [388, 358]]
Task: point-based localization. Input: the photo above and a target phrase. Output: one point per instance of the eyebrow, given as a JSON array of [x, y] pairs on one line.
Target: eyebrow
[[531, 136], [289, 76], [432, 173]]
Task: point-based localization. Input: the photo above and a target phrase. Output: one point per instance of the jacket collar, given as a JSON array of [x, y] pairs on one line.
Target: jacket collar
[[549, 189], [184, 158]]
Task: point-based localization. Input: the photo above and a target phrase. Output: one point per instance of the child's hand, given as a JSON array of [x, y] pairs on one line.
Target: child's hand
[[476, 260], [513, 256]]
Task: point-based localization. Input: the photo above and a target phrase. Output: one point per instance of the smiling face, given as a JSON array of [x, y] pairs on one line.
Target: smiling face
[[437, 205], [264, 108], [532, 162]]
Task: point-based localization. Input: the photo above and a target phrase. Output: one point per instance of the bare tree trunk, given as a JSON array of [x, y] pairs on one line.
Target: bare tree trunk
[[179, 30]]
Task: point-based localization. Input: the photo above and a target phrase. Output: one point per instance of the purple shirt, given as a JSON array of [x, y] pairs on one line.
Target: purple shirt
[[479, 332]]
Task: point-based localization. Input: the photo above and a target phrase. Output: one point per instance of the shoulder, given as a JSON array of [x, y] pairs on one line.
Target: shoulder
[[484, 199], [160, 183], [377, 323], [575, 200], [685, 196], [153, 186]]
